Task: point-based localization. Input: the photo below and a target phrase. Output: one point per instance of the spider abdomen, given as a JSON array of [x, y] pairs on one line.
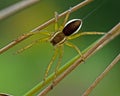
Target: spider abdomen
[[72, 26]]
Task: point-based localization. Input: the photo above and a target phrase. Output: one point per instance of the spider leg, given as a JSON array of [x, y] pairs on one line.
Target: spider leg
[[43, 32], [60, 50], [75, 47], [67, 16], [85, 33], [65, 20], [59, 60], [33, 43], [50, 64]]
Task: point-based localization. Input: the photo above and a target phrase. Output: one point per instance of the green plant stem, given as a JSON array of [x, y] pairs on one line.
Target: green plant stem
[[68, 67]]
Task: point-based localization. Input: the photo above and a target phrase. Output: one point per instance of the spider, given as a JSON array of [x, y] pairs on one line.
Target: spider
[[61, 36]]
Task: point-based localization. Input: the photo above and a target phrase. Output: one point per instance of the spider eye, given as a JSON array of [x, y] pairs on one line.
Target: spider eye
[[72, 26]]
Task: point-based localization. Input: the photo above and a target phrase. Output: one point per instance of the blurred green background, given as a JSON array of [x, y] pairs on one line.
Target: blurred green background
[[19, 73]]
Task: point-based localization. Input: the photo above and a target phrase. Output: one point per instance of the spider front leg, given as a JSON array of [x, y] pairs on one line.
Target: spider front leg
[[65, 20], [67, 16]]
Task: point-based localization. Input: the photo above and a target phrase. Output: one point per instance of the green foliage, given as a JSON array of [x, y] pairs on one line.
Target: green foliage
[[20, 73]]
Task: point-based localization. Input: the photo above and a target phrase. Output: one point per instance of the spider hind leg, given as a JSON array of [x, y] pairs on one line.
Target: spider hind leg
[[76, 48], [50, 64], [58, 52]]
